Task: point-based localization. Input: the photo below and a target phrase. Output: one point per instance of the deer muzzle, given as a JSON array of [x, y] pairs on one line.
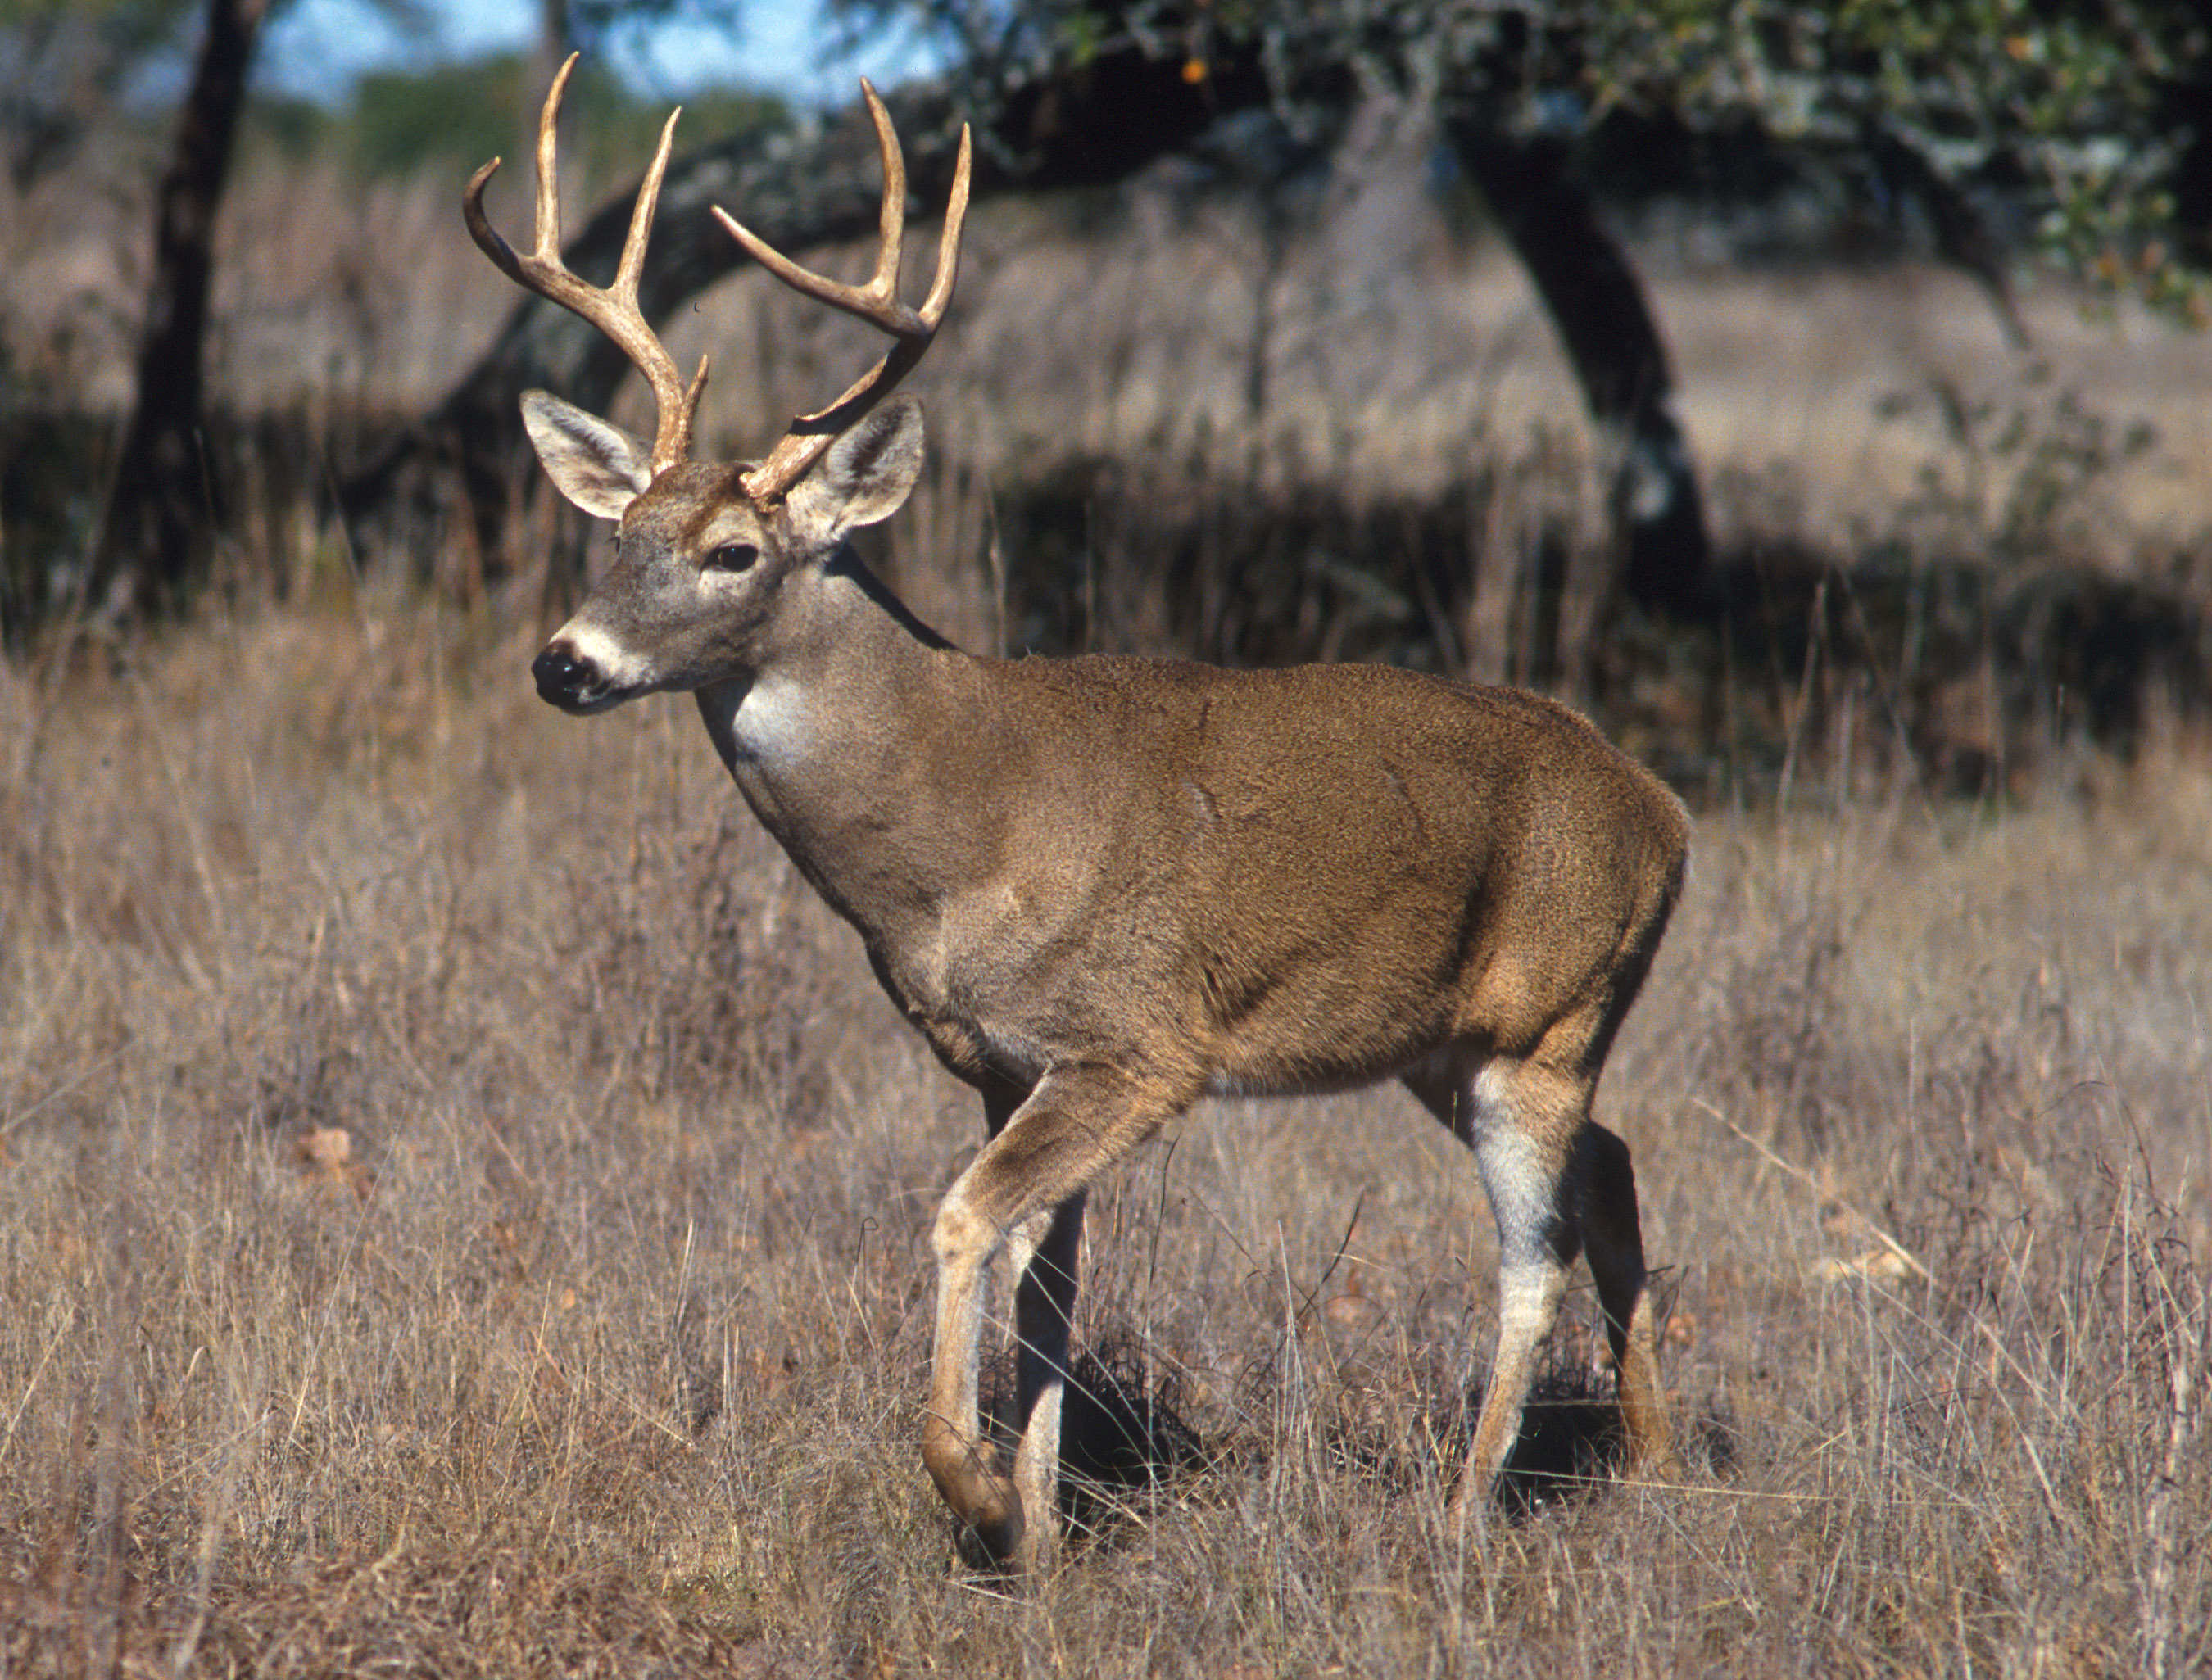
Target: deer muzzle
[[567, 679]]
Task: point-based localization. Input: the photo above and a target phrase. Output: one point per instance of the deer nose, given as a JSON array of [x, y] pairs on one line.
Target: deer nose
[[561, 675]]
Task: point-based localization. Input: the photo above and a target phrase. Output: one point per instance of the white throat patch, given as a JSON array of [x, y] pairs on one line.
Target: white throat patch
[[773, 723]]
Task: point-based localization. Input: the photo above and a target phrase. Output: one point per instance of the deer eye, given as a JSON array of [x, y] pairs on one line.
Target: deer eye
[[732, 557]]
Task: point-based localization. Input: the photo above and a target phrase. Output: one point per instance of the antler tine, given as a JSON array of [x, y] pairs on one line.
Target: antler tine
[[613, 309], [876, 302], [948, 242]]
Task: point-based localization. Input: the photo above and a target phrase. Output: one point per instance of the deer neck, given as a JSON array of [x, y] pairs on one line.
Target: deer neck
[[856, 740]]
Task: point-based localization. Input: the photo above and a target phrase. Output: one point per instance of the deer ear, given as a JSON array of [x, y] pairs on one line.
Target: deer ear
[[867, 472], [599, 466]]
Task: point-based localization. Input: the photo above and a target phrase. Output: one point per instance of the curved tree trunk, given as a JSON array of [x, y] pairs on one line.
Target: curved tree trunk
[[1597, 304], [159, 515]]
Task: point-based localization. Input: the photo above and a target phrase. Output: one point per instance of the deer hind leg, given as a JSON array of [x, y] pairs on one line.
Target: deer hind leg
[[1525, 1120], [1522, 1121], [1560, 1184], [1612, 1237], [1078, 1122]]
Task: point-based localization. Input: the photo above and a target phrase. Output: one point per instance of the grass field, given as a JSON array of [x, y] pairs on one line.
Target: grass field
[[599, 1338], [463, 1204]]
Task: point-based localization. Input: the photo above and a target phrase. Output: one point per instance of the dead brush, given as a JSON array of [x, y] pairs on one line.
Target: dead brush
[[683, 972], [615, 1366]]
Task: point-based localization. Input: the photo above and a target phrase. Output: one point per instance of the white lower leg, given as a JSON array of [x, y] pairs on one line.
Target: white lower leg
[[1519, 1132], [1036, 1477], [1529, 1294], [952, 1446]]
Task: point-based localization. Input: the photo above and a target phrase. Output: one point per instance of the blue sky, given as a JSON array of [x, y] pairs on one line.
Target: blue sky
[[317, 47]]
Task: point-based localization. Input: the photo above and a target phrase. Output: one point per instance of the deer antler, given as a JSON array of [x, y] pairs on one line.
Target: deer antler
[[614, 310], [876, 302]]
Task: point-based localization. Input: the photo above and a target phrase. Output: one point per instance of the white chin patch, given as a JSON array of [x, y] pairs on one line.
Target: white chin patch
[[617, 666]]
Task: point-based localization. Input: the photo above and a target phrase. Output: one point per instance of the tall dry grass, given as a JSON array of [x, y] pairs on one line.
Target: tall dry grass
[[598, 1341]]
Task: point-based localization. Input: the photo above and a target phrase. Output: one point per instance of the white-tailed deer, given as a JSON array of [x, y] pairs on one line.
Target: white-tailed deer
[[1104, 888]]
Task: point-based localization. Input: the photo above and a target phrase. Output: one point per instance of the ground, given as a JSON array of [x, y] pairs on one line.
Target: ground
[[466, 1207]]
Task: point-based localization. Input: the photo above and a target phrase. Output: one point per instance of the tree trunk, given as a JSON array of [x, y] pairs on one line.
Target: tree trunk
[[160, 512], [1598, 307]]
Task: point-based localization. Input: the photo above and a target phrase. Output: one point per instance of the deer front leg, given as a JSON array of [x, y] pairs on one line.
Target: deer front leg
[[1044, 1316], [1078, 1122]]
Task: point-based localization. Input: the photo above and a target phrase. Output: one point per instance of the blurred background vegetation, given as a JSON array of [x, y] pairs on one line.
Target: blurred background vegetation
[[451, 116], [1439, 336]]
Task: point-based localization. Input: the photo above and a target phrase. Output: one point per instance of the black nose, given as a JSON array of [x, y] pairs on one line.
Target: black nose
[[561, 674]]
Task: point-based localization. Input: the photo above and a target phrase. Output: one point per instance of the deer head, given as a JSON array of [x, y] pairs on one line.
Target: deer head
[[706, 554]]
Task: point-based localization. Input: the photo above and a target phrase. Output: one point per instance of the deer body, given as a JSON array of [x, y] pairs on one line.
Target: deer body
[[1104, 888], [1291, 881]]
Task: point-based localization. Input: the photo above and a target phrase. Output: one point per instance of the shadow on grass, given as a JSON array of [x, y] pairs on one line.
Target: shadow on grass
[[1572, 1441], [1123, 1433], [1122, 1430]]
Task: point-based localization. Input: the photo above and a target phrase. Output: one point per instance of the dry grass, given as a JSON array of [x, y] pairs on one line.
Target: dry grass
[[599, 1345]]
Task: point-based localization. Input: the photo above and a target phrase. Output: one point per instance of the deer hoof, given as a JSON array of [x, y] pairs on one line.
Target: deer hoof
[[992, 1533]]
